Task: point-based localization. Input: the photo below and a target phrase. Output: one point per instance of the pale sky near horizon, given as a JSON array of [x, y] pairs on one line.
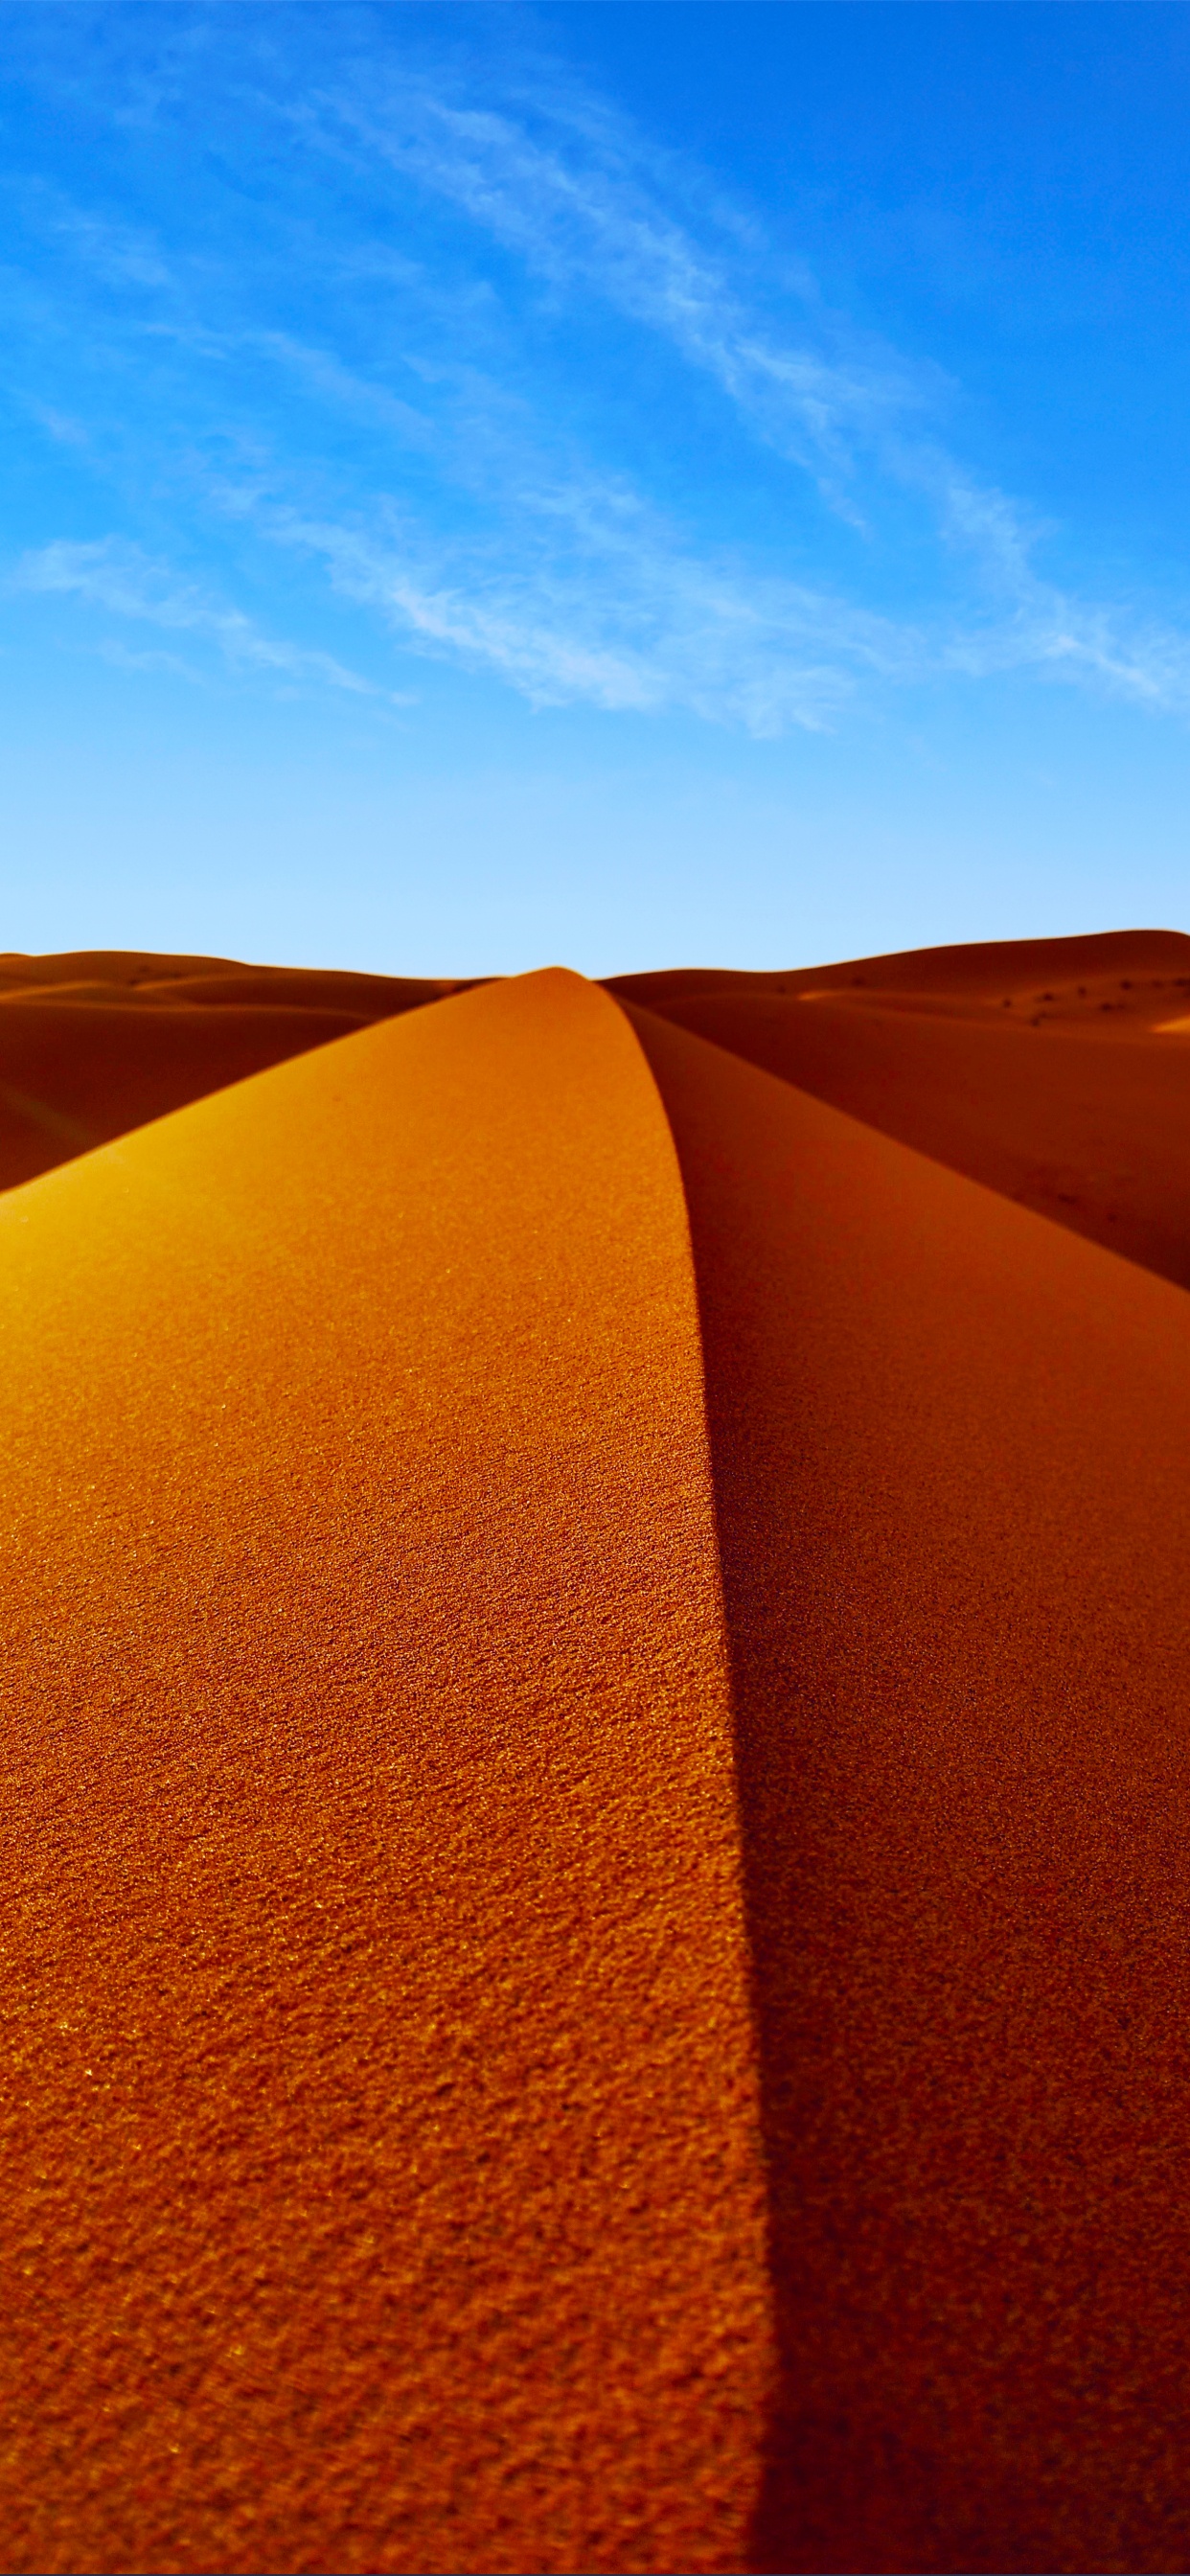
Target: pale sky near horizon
[[626, 484]]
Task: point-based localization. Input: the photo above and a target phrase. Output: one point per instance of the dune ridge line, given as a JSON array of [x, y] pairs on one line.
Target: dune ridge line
[[386, 2159]]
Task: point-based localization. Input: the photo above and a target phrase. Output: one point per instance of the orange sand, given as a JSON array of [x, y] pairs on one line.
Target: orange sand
[[584, 1995], [383, 2184]]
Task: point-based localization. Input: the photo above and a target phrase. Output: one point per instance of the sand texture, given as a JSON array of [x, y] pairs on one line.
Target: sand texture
[[598, 1786]]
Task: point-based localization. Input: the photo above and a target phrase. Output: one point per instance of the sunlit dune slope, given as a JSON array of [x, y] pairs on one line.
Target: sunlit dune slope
[[997, 1062], [950, 1448], [97, 1042], [383, 2184]]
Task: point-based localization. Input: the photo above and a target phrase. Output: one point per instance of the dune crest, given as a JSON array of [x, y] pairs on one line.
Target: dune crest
[[385, 2167], [598, 1767]]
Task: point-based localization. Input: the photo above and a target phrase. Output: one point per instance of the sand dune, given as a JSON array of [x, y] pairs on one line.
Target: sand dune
[[96, 1043], [994, 973], [596, 1738], [385, 2177], [1045, 1069]]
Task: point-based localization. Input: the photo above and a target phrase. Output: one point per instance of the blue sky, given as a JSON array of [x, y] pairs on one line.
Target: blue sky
[[631, 484]]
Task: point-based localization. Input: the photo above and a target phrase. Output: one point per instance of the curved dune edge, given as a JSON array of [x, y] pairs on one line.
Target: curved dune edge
[[950, 1444], [384, 2162]]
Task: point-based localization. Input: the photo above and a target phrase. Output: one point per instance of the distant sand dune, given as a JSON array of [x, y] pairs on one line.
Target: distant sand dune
[[598, 1763], [1040, 1069], [94, 1044]]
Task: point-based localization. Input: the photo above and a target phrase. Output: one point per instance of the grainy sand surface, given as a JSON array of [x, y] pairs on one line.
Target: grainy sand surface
[[597, 1757], [383, 2181]]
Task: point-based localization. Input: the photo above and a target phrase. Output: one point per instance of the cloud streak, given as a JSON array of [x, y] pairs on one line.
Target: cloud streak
[[573, 201], [423, 432], [112, 575], [601, 605], [568, 186]]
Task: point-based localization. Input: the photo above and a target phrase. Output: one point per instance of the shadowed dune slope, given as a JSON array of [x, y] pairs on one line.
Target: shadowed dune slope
[[950, 1446], [982, 971], [98, 1042], [383, 2184], [1040, 1067]]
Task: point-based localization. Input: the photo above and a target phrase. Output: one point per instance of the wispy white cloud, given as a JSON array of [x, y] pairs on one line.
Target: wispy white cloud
[[1081, 643], [594, 600], [112, 575], [639, 627], [435, 471], [154, 658], [1029, 623], [59, 426], [328, 378], [120, 254], [570, 188]]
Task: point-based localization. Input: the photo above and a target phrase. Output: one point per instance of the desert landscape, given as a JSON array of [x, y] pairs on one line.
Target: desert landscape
[[596, 1735]]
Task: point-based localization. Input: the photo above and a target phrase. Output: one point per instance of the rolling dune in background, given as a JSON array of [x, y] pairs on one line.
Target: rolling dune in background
[[598, 1764], [92, 1045], [1048, 1069]]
